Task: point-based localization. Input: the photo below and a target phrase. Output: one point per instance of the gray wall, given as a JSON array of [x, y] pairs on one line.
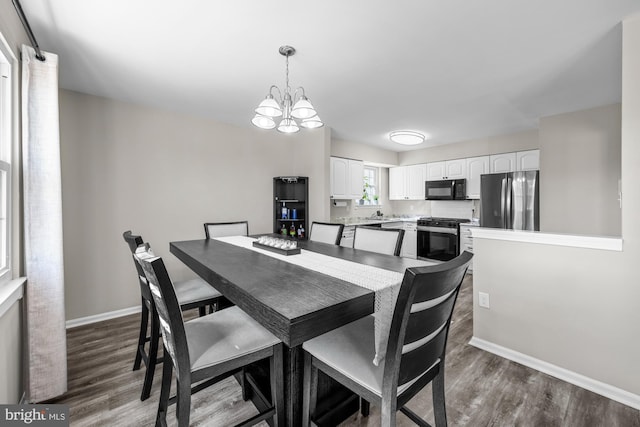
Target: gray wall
[[575, 308], [163, 175], [580, 158]]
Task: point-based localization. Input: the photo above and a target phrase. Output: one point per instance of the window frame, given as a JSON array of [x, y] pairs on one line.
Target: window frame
[[372, 189], [8, 135]]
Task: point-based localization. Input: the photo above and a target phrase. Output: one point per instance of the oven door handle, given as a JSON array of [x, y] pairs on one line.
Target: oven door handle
[[443, 230]]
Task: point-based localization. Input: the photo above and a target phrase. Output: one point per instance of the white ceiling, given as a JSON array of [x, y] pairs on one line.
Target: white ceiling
[[453, 69]]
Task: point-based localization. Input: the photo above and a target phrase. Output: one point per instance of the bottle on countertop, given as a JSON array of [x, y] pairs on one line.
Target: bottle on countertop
[[283, 230], [292, 230]]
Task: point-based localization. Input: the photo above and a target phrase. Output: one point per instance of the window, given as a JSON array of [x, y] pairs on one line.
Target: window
[[6, 135], [370, 192]]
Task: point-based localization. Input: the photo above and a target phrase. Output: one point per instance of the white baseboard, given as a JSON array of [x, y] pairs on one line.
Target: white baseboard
[[603, 389], [73, 323]]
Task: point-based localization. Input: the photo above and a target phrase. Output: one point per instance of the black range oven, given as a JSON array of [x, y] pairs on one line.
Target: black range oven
[[438, 238]]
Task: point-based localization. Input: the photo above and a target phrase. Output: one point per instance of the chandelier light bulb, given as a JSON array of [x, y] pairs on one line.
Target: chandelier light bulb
[[269, 107], [312, 122], [263, 122], [288, 126], [303, 109]]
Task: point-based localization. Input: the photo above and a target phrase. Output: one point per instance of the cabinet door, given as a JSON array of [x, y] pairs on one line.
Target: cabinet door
[[475, 166], [410, 242], [416, 176], [505, 162], [455, 169], [339, 173], [436, 171], [528, 160], [397, 178], [356, 179]]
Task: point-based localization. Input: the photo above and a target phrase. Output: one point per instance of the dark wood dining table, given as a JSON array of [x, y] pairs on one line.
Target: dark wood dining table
[[294, 303]]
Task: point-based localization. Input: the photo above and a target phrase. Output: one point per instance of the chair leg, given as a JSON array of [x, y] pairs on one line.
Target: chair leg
[[163, 403], [439, 407], [244, 385], [277, 384], [183, 402], [152, 356], [142, 337], [365, 407], [309, 390]]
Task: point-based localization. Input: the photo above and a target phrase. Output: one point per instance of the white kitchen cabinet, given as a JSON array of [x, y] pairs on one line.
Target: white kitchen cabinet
[[466, 241], [528, 160], [505, 162], [476, 166], [407, 182], [410, 242], [449, 169], [397, 183], [346, 178]]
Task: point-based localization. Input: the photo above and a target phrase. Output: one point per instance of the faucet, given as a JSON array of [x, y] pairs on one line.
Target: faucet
[[376, 214]]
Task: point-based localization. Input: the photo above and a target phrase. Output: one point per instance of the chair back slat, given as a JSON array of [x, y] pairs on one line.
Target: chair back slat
[[325, 232], [421, 319], [386, 241], [167, 306], [416, 362], [424, 322], [224, 229]]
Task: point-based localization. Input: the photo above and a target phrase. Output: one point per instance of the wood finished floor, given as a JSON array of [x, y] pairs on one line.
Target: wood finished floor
[[481, 389]]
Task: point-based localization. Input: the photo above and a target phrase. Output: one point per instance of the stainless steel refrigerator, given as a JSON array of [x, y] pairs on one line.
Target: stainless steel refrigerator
[[510, 200]]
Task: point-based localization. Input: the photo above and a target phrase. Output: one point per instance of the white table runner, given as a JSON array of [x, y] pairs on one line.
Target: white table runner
[[385, 283]]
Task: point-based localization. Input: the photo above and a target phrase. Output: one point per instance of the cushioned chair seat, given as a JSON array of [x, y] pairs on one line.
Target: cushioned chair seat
[[193, 290], [225, 335]]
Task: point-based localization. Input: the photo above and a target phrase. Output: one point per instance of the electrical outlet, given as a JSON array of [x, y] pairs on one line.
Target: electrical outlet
[[483, 299]]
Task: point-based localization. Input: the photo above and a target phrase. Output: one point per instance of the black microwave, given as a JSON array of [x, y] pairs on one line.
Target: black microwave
[[448, 189]]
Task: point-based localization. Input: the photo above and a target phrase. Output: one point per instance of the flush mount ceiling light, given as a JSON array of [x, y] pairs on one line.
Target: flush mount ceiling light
[[289, 107], [406, 137]]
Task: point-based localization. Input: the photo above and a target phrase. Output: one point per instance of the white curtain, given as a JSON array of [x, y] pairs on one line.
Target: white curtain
[[46, 352]]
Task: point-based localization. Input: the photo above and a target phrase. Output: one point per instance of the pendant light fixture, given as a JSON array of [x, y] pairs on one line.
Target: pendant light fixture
[[290, 107]]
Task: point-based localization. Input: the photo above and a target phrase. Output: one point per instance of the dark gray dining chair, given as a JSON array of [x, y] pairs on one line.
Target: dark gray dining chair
[[386, 241], [415, 354], [224, 229], [193, 293], [326, 232], [208, 349]]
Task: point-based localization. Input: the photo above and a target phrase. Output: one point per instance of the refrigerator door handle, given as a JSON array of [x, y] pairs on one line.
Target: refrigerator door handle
[[503, 202], [508, 212]]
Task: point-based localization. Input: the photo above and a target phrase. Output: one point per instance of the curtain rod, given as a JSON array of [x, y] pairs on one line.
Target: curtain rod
[[27, 28]]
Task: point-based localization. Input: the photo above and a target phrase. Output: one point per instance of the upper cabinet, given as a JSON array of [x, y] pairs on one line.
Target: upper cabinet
[[407, 182], [512, 162], [450, 169], [505, 162], [476, 166], [528, 160], [346, 178]]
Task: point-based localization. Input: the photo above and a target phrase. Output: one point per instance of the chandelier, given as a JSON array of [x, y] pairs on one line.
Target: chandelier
[[289, 107]]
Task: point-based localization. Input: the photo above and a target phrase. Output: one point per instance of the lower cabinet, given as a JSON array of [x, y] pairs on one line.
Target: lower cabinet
[[466, 241], [410, 242]]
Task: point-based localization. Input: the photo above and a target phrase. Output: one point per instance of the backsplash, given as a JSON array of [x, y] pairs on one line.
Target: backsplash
[[447, 209]]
